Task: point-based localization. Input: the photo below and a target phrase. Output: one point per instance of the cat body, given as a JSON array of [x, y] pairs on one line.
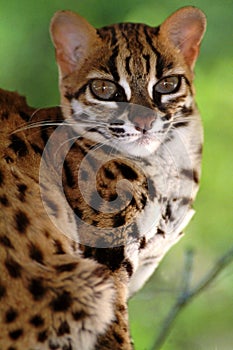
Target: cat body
[[93, 198]]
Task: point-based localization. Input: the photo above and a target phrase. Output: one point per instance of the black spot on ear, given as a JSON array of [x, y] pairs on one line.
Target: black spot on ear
[[62, 302], [37, 321], [16, 334], [64, 328], [11, 315], [37, 289], [13, 268], [5, 241], [18, 146], [21, 221], [35, 253]]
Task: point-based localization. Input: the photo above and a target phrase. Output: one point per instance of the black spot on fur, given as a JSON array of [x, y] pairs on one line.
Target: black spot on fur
[[1, 178], [42, 336], [168, 212], [142, 243], [11, 348], [13, 268], [126, 171], [67, 347], [37, 289], [37, 321], [180, 124], [143, 200], [2, 291], [24, 116], [21, 221], [79, 315], [119, 220], [5, 241], [18, 146], [111, 257], [11, 315], [129, 267], [70, 179], [62, 302], [37, 149], [190, 174], [109, 174], [160, 232], [64, 328], [4, 201], [35, 253], [16, 334], [118, 338], [185, 201], [66, 267], [151, 189], [22, 188], [58, 247], [79, 213]]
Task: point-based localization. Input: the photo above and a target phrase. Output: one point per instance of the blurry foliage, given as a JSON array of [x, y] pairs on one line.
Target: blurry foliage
[[28, 66]]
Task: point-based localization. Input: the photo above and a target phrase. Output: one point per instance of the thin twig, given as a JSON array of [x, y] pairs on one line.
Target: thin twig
[[187, 294]]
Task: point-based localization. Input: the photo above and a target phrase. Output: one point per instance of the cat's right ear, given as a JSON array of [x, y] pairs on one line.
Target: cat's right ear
[[73, 37]]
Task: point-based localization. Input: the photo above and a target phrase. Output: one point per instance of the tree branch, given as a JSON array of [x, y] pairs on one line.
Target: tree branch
[[186, 294]]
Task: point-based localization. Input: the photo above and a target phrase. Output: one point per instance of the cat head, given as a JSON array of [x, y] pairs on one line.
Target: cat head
[[128, 84]]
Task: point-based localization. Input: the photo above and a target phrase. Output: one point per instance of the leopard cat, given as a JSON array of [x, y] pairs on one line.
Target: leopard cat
[[94, 194]]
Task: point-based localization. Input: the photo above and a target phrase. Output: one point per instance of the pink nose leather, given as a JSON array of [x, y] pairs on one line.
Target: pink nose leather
[[143, 123]]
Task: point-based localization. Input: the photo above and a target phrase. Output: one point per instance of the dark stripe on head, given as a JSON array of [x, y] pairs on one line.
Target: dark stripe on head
[[112, 64]]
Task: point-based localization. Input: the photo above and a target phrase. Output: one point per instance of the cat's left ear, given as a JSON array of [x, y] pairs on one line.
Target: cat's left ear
[[73, 38], [185, 29]]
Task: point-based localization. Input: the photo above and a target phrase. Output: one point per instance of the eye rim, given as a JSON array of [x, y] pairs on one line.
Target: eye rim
[[118, 94], [172, 90]]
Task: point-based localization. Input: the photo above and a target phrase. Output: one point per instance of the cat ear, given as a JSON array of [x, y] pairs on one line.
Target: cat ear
[[185, 29], [73, 37]]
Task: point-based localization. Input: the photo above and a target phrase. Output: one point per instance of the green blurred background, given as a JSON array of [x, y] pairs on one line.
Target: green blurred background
[[28, 66]]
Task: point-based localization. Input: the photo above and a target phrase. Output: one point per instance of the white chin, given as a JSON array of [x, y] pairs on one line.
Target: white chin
[[139, 148]]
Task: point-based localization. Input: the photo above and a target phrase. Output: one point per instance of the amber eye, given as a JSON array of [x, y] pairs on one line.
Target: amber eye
[[168, 85], [103, 89]]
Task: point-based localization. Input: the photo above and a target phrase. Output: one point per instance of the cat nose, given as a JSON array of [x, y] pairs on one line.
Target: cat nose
[[143, 123]]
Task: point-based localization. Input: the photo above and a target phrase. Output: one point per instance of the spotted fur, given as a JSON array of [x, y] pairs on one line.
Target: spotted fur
[[93, 197]]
